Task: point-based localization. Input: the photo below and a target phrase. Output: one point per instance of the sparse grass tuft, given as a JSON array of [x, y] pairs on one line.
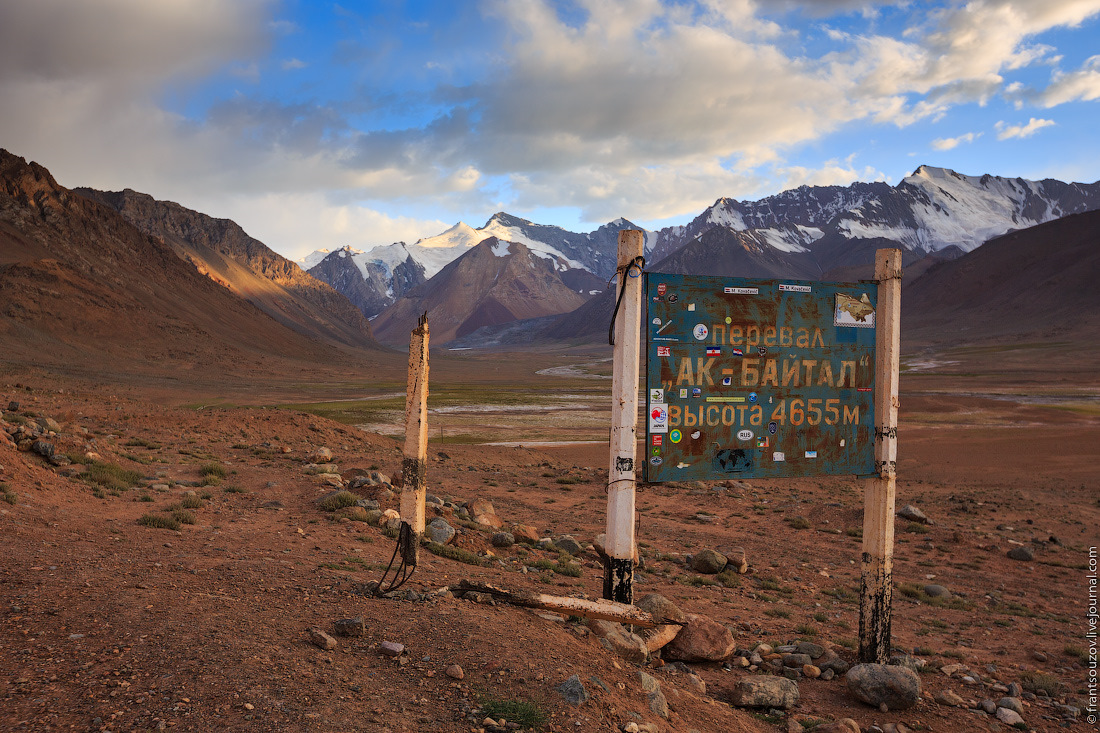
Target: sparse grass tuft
[[452, 553], [232, 489], [188, 501], [142, 443], [697, 580], [7, 495], [728, 578], [1078, 652], [521, 712], [111, 476], [820, 617], [916, 592], [854, 531], [777, 613], [159, 521], [339, 500], [798, 522], [917, 528], [805, 630], [184, 516], [211, 468], [566, 480]]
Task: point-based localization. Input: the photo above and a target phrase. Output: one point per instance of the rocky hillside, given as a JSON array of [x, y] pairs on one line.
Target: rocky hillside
[[223, 251], [82, 288]]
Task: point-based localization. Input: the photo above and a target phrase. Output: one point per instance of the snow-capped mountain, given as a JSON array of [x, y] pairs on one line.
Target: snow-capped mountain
[[930, 210], [376, 278]]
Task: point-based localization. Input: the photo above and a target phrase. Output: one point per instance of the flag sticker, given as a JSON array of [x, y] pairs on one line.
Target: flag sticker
[[664, 351], [811, 454], [714, 351], [737, 352]]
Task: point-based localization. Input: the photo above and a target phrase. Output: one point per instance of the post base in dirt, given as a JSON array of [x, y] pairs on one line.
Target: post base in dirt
[[409, 545], [618, 580], [876, 568]]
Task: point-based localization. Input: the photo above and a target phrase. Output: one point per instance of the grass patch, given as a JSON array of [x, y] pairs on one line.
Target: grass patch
[[339, 500], [565, 481], [1078, 652], [1041, 682], [184, 516], [846, 643], [854, 531], [7, 495], [451, 552], [916, 592], [159, 521], [145, 497], [917, 528], [111, 476], [820, 617], [562, 567], [728, 579], [798, 522], [841, 594], [142, 443], [777, 613], [805, 630], [212, 468], [188, 501], [524, 713], [697, 581], [233, 489]]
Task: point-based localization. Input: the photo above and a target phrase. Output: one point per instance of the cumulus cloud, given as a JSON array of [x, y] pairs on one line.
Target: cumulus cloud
[[1007, 132], [1064, 87], [950, 143], [832, 173]]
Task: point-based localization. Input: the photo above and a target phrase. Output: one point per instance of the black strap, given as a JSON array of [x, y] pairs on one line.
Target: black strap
[[623, 272]]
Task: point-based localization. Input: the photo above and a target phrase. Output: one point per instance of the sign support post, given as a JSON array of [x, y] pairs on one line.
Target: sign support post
[[876, 584], [619, 568], [414, 465]]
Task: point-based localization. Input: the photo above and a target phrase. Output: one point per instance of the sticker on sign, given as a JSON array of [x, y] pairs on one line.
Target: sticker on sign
[[741, 291], [794, 288]]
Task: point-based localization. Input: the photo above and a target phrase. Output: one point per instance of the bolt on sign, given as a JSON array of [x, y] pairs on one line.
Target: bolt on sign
[[758, 378]]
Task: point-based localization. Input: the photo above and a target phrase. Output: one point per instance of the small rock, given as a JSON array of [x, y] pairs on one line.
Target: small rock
[[566, 543], [525, 533], [736, 559], [319, 455], [320, 639], [701, 639], [988, 706], [936, 591], [1014, 689], [949, 698], [572, 690], [1008, 717], [439, 531], [391, 648], [657, 703], [796, 660], [349, 626], [43, 448], [765, 692], [1012, 703], [878, 684], [827, 675], [810, 648], [913, 514], [708, 562], [696, 684], [810, 671], [616, 638], [502, 539], [1039, 656], [1021, 553], [454, 672]]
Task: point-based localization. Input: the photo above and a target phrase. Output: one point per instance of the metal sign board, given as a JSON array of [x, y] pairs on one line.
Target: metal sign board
[[758, 378]]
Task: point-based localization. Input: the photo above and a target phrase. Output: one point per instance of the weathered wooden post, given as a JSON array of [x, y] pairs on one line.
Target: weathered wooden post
[[414, 466], [876, 586], [619, 569]]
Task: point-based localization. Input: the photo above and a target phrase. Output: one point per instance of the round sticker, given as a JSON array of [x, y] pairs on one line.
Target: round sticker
[[658, 414], [675, 436], [729, 320], [656, 321], [655, 461], [763, 350], [695, 435], [700, 331], [744, 435], [673, 298], [773, 427], [752, 397]]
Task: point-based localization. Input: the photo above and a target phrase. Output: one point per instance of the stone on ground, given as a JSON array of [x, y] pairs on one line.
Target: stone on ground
[[1009, 717], [763, 691], [349, 626], [1021, 553], [701, 640], [439, 531], [913, 514], [572, 690], [879, 684], [320, 639], [616, 638], [708, 562]]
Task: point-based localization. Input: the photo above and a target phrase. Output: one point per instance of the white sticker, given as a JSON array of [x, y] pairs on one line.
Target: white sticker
[[691, 306], [842, 442], [794, 288], [745, 435], [811, 454], [683, 393], [656, 395], [656, 321], [700, 332], [658, 419], [779, 457], [695, 435], [741, 291]]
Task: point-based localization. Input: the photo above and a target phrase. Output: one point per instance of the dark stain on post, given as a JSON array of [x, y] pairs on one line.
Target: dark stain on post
[[618, 580], [414, 475], [874, 617]]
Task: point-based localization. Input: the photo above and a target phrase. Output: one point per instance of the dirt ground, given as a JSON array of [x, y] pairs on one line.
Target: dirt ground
[[112, 625]]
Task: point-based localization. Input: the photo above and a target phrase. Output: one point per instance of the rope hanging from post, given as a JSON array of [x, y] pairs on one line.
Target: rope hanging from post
[[639, 263], [404, 569]]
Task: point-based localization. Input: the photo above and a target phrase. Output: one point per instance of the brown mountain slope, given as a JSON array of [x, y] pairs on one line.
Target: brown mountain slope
[[480, 288], [1039, 282], [81, 288], [220, 249]]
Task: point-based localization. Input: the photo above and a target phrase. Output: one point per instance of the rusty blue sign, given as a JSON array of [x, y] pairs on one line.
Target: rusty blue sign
[[758, 378]]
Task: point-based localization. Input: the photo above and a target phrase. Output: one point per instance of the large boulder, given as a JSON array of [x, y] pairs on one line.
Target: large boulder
[[616, 638], [897, 688], [438, 530], [701, 640], [661, 609], [764, 691]]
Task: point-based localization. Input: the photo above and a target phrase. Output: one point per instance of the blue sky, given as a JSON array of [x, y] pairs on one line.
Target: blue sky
[[318, 124]]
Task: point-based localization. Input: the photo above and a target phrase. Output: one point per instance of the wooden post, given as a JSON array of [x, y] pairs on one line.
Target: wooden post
[[876, 584], [619, 565], [414, 469]]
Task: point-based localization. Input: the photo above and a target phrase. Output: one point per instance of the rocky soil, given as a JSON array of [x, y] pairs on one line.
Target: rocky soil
[[172, 568]]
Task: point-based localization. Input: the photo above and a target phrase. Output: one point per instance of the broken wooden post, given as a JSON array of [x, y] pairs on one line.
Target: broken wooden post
[[876, 585], [599, 609], [414, 469], [619, 564]]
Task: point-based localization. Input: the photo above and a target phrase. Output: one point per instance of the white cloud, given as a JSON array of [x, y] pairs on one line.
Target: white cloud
[[1007, 132], [950, 143], [1064, 87], [832, 173], [293, 64]]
